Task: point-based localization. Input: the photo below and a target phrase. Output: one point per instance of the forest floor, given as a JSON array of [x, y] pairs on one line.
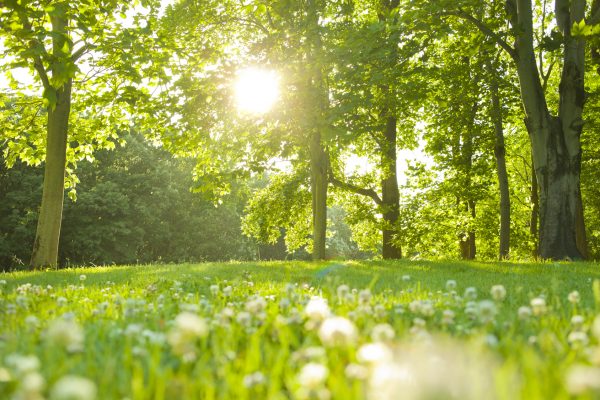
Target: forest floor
[[280, 330]]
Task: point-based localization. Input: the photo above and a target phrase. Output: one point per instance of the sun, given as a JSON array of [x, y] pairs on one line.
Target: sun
[[256, 90]]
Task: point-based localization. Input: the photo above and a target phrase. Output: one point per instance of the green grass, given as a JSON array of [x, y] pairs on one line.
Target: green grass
[[132, 348]]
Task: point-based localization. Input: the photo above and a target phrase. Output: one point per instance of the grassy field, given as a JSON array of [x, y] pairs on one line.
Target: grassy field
[[335, 330]]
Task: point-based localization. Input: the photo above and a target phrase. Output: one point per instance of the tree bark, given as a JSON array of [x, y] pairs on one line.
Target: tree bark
[[535, 213], [390, 195], [45, 247], [555, 140], [500, 155], [318, 183]]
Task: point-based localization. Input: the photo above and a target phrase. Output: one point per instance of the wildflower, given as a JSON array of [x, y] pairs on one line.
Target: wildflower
[[244, 318], [374, 353], [256, 305], [32, 385], [82, 278], [32, 321], [356, 371], [342, 292], [71, 387], [187, 329], [337, 331], [380, 311], [364, 296], [577, 322], [313, 375], [317, 309], [524, 312], [406, 278], [486, 310], [382, 333], [574, 297], [450, 285], [581, 379], [255, 379], [448, 317], [227, 290], [498, 292], [284, 303], [23, 364], [66, 333], [578, 338], [470, 293], [214, 289], [538, 306]]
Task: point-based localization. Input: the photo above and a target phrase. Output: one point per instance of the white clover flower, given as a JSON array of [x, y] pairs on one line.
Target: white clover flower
[[577, 322], [337, 331], [448, 317], [524, 312], [450, 285], [284, 303], [187, 329], [406, 278], [578, 338], [227, 290], [342, 292], [255, 379], [574, 297], [470, 293], [356, 371], [32, 384], [72, 387], [214, 289], [66, 333], [374, 353], [2, 282], [313, 375], [61, 301], [23, 364], [364, 296], [498, 292], [538, 306], [317, 309], [380, 311], [256, 305], [244, 318], [581, 379], [486, 310], [82, 277], [382, 333]]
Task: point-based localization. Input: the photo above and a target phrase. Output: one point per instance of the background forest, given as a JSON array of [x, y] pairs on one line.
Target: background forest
[[399, 129]]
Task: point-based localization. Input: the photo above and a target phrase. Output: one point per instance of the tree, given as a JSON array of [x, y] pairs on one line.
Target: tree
[[86, 61]]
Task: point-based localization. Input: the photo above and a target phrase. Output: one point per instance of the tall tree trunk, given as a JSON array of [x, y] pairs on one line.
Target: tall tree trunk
[[45, 247], [555, 140], [500, 155], [318, 183], [389, 192], [582, 244]]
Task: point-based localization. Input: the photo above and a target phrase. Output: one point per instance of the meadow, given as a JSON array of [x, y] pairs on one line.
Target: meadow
[[294, 330]]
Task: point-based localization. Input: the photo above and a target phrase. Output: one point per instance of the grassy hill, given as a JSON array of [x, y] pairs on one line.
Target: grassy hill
[[340, 330]]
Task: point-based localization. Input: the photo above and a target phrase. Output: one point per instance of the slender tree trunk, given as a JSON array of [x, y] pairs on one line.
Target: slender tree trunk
[[582, 244], [555, 140], [389, 192], [500, 155], [45, 247], [318, 183]]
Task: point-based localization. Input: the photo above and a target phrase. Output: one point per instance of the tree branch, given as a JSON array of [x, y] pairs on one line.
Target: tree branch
[[353, 188], [37, 60], [483, 28]]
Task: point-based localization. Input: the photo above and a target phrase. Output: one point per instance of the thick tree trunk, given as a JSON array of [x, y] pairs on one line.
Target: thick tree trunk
[[318, 183], [500, 155], [45, 247], [555, 140], [389, 192]]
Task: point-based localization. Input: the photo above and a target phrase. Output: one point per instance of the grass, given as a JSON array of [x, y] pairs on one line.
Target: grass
[[162, 332]]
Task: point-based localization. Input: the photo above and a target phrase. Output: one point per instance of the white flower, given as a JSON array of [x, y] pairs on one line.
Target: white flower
[[577, 321], [524, 312], [23, 364], [374, 353], [581, 379], [82, 278], [186, 330], [72, 387], [382, 333], [342, 292], [356, 371], [338, 331], [214, 289], [256, 305], [313, 375], [578, 338], [317, 309], [254, 379], [486, 311], [538, 306], [406, 278], [574, 297], [66, 333], [470, 293], [32, 384], [448, 317], [450, 285], [364, 296], [498, 292], [227, 291]]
